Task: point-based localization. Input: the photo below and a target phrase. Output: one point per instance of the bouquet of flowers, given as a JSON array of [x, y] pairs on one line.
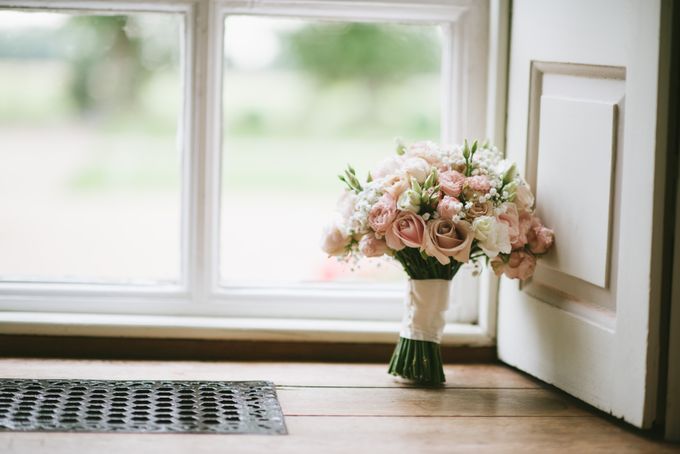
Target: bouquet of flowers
[[434, 208]]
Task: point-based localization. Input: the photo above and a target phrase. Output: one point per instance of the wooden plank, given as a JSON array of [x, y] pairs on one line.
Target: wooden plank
[[364, 434], [425, 402], [281, 373]]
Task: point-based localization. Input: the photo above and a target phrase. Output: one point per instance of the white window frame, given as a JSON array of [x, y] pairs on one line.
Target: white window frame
[[198, 306]]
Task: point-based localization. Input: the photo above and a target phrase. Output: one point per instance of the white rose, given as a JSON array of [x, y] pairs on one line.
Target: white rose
[[335, 238], [417, 168], [387, 167], [409, 201], [492, 236], [427, 150]]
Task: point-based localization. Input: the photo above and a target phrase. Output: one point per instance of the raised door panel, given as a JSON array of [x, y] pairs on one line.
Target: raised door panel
[[582, 118]]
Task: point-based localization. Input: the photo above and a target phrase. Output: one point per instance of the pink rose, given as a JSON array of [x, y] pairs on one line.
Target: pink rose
[[335, 240], [511, 217], [451, 182], [478, 183], [448, 207], [520, 265], [479, 209], [407, 230], [540, 238], [370, 246], [526, 219], [445, 239], [382, 214], [395, 185]]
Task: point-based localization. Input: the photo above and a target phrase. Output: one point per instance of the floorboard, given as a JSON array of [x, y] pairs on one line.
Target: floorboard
[[340, 408], [425, 402], [281, 373]]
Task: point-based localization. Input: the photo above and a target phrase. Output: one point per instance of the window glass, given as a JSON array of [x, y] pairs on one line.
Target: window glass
[[89, 149], [301, 100]]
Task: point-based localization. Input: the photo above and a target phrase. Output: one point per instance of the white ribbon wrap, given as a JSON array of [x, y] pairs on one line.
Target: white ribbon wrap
[[424, 309]]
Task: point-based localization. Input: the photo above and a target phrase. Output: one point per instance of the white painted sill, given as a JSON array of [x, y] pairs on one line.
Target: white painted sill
[[191, 327]]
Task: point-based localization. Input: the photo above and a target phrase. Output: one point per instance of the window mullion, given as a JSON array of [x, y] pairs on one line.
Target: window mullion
[[198, 213]]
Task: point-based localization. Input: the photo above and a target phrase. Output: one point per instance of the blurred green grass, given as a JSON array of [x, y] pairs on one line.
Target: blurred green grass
[[283, 131]]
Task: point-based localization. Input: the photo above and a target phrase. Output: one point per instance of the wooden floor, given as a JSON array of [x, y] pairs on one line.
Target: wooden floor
[[352, 408]]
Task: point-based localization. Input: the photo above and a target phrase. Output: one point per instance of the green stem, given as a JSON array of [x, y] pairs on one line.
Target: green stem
[[420, 361], [418, 267]]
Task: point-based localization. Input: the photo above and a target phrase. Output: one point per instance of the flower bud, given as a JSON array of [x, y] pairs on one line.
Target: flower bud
[[401, 148], [431, 178], [410, 200], [510, 173], [511, 190], [466, 150]]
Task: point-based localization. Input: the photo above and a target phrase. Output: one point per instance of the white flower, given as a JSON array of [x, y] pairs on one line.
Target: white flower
[[417, 168], [335, 237], [387, 167], [523, 197], [492, 236], [364, 201], [409, 201], [346, 204], [427, 150]]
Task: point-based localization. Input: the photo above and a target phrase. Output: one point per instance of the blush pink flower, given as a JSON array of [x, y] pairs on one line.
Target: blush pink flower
[[451, 183], [520, 265], [478, 183], [526, 220], [479, 209], [335, 239], [371, 246], [407, 230], [540, 238], [445, 239], [382, 214], [448, 207], [395, 185], [510, 216], [426, 150]]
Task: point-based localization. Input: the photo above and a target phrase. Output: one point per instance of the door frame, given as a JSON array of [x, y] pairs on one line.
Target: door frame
[[670, 380]]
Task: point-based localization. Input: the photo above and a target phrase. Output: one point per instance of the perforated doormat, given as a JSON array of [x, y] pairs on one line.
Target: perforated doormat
[[140, 406]]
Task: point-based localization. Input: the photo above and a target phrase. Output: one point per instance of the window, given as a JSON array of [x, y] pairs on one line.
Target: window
[[140, 142], [333, 103], [89, 162]]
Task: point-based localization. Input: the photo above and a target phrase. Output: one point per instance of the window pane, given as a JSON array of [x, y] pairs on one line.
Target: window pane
[[301, 100], [89, 156]]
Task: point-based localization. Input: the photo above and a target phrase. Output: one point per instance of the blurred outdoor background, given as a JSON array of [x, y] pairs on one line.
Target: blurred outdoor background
[[90, 141]]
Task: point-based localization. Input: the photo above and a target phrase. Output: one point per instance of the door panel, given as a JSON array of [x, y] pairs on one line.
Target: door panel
[[582, 118]]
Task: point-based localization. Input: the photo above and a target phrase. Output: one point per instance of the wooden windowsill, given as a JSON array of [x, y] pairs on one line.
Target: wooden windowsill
[[220, 349], [183, 337]]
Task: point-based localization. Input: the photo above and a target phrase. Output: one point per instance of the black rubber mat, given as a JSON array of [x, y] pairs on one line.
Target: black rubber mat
[[140, 406]]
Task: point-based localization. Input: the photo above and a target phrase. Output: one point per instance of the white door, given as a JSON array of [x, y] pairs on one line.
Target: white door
[[582, 123]]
